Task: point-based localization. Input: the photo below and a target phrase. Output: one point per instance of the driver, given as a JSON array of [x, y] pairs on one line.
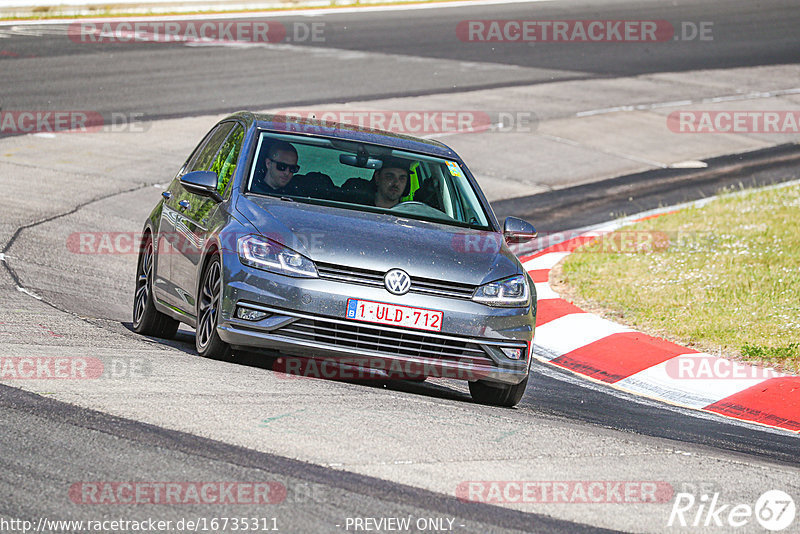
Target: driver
[[391, 182], [281, 165]]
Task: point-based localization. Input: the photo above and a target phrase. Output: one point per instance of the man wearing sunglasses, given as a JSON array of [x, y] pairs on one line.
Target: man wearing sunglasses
[[281, 166]]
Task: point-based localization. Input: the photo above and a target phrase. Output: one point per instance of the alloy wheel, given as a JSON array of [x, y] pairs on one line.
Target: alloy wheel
[[209, 304], [143, 284]]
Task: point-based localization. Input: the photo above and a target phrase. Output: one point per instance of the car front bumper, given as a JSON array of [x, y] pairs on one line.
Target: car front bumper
[[306, 318]]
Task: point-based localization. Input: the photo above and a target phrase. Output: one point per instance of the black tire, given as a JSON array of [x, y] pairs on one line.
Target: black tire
[[209, 295], [147, 320], [497, 395]]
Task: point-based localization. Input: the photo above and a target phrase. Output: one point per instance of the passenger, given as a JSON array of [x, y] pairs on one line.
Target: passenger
[[281, 165], [391, 182]]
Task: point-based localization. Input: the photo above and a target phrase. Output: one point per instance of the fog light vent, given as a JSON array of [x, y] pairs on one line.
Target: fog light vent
[[249, 314], [512, 353]]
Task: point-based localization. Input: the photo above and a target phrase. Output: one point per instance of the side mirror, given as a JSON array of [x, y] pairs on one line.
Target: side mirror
[[202, 183], [518, 231]]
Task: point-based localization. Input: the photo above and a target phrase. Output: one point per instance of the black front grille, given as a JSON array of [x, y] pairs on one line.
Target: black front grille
[[386, 341], [425, 286]]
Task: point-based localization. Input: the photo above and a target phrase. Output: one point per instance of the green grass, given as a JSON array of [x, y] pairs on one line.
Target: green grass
[[724, 278]]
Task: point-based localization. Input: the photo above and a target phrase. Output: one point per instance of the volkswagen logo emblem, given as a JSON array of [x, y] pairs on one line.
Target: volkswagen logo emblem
[[397, 282]]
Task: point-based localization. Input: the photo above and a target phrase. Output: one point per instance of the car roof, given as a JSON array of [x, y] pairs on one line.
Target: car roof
[[333, 130]]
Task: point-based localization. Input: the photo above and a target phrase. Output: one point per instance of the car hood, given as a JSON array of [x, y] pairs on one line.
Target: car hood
[[380, 242]]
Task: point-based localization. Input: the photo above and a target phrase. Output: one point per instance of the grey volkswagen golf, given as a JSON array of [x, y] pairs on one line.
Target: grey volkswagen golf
[[330, 243]]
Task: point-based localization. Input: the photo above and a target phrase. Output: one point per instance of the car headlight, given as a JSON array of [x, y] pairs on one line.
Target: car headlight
[[508, 292], [262, 253]]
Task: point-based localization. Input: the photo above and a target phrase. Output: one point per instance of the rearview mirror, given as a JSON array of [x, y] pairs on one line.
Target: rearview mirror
[[201, 183], [360, 160], [518, 231]]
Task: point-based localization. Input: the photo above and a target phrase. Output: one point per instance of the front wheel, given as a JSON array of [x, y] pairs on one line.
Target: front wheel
[[207, 340], [497, 395], [147, 320]]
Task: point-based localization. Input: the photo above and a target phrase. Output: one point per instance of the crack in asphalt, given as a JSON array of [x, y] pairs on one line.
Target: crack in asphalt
[[13, 274]]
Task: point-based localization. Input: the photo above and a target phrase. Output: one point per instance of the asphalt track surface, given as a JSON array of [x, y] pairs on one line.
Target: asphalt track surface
[[47, 72], [410, 53], [316, 499], [590, 204]]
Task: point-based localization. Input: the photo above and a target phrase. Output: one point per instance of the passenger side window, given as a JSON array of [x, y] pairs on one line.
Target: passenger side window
[[202, 161], [225, 162]]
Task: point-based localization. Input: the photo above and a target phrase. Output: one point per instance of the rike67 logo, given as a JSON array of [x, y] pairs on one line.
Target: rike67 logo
[[774, 510]]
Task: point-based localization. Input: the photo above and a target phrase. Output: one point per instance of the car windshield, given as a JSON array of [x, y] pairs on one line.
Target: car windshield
[[366, 177]]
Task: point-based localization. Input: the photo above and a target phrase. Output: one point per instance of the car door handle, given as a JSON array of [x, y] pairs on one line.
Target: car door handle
[[167, 195], [184, 204]]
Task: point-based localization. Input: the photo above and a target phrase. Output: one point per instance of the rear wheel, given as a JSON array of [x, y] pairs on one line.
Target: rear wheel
[[497, 395], [147, 320], [207, 339]]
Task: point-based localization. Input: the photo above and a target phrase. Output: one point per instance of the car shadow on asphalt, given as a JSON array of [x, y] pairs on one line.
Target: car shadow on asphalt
[[184, 340], [436, 389]]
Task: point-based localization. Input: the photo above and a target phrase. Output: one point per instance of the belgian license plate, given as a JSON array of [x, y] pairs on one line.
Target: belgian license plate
[[392, 314]]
